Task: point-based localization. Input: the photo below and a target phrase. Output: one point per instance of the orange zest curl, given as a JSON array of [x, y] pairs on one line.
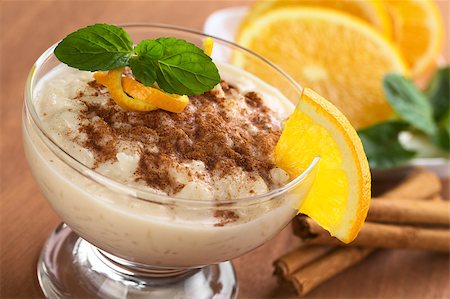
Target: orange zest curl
[[132, 95]]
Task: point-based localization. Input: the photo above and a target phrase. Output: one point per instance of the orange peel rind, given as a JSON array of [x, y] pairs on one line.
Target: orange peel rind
[[207, 46], [132, 95], [163, 100]]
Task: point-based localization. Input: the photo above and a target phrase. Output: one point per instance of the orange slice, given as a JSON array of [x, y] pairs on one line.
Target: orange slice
[[418, 31], [142, 98], [371, 11], [340, 195], [341, 57]]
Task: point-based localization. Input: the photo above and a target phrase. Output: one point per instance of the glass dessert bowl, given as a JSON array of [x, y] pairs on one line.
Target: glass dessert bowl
[[123, 240]]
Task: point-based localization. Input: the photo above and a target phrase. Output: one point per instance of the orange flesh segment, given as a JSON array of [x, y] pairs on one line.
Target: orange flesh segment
[[169, 102]]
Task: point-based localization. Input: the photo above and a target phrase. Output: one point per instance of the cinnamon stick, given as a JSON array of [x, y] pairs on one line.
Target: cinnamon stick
[[313, 273], [420, 184], [378, 235], [436, 197], [393, 208], [337, 261], [409, 211], [299, 258]]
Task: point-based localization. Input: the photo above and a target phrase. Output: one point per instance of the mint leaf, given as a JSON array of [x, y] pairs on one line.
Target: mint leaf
[[184, 68], [442, 136], [149, 49], [143, 65], [143, 70], [438, 92], [97, 47], [381, 144], [409, 103], [442, 139]]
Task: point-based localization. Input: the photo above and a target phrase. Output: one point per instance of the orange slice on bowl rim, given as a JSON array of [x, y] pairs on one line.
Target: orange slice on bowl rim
[[340, 195]]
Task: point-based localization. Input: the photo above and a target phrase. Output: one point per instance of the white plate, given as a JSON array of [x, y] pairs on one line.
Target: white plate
[[224, 24]]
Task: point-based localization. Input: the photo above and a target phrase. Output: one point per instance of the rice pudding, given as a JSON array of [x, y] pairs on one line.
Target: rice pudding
[[219, 148]]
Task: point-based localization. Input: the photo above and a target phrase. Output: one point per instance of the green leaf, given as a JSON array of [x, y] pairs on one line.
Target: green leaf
[[143, 70], [382, 146], [143, 65], [149, 49], [97, 47], [442, 136], [409, 103], [184, 68], [439, 93]]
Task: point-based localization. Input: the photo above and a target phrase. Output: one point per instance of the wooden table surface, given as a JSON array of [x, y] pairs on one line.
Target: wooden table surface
[[27, 28]]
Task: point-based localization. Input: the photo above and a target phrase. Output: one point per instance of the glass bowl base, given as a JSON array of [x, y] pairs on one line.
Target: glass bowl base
[[70, 267]]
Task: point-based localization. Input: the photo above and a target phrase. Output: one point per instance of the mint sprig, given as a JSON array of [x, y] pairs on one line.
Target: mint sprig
[[99, 47], [409, 103], [176, 65], [425, 114], [184, 67], [439, 94]]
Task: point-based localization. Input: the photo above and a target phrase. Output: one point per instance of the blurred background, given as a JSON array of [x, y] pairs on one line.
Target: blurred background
[[27, 28]]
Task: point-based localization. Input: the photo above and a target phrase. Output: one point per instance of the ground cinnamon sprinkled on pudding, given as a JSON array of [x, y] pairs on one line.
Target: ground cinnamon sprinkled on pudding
[[219, 148], [211, 129], [100, 139]]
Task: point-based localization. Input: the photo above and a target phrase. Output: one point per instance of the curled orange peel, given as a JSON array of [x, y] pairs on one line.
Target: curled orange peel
[[131, 95], [166, 101]]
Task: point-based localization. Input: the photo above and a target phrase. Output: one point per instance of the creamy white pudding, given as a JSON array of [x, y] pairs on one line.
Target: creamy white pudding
[[219, 148], [147, 223]]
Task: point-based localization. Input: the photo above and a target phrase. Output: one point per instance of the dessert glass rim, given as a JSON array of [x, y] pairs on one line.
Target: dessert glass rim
[[134, 190]]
